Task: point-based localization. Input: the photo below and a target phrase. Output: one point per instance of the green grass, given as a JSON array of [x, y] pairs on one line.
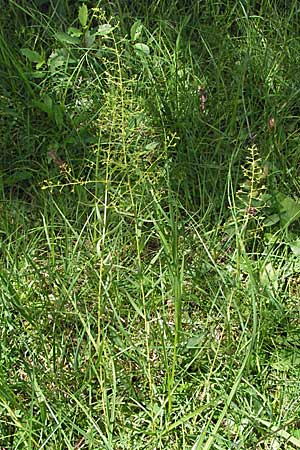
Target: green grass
[[149, 253]]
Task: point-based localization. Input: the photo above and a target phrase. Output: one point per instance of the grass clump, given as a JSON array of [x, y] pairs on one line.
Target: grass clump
[[149, 226]]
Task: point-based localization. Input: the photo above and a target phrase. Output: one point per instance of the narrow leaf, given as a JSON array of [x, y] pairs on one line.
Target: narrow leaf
[[58, 115]]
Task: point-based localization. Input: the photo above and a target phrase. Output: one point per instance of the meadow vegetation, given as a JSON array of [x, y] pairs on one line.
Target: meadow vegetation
[[150, 239]]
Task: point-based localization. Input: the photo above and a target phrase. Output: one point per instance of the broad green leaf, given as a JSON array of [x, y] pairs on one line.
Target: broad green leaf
[[45, 105], [268, 276], [32, 55], [296, 433], [55, 62], [142, 48], [72, 31], [289, 209], [136, 30], [54, 110], [271, 220], [270, 238], [195, 341], [295, 247], [37, 74], [42, 107], [59, 57], [66, 38], [83, 15], [152, 146], [104, 29]]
